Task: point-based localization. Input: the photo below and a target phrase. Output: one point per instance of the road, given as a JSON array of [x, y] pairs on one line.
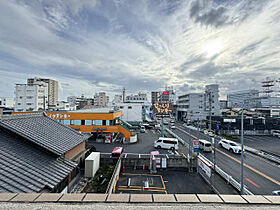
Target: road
[[260, 175]]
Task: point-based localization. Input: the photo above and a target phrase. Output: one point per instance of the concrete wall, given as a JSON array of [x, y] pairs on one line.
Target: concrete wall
[[75, 151], [92, 164]]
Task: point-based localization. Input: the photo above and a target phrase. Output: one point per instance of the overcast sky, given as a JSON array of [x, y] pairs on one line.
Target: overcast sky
[[104, 45]]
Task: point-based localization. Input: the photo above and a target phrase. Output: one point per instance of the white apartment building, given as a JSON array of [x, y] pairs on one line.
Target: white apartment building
[[138, 98], [64, 105], [7, 102], [117, 99], [31, 97], [196, 106], [100, 99]]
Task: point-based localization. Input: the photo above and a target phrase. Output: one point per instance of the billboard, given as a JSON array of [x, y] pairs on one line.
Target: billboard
[[162, 108], [165, 93]]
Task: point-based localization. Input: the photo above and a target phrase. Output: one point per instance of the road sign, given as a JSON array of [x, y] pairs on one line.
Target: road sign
[[217, 127], [195, 150], [195, 143]]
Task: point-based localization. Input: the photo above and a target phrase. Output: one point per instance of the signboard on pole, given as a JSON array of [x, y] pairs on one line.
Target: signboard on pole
[[217, 127], [230, 120], [195, 146]]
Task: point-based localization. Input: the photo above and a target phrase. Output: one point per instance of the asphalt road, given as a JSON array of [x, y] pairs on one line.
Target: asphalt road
[[260, 175]]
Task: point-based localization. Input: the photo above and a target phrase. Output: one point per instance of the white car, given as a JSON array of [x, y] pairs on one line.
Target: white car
[[230, 145], [276, 192], [173, 127], [210, 133]]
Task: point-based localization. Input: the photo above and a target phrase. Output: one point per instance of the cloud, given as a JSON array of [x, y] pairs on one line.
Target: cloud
[[141, 45], [203, 12]]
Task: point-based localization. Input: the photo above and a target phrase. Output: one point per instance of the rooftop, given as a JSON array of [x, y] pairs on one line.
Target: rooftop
[[43, 131]]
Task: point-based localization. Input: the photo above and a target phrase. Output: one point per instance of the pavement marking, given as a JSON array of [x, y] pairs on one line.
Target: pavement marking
[[253, 183], [251, 168], [127, 189], [246, 165]]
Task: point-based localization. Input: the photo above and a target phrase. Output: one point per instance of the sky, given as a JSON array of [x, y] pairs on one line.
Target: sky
[[104, 45]]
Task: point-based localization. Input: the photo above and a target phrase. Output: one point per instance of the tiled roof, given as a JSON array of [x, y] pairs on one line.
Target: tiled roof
[[25, 168], [43, 131]]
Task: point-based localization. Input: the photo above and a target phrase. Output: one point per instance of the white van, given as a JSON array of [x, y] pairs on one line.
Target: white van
[[205, 146], [166, 143]]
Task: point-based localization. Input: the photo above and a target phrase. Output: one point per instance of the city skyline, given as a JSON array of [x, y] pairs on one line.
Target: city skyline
[[95, 46]]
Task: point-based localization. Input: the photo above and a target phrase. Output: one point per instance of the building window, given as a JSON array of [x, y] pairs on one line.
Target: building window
[[98, 122], [130, 107], [66, 122], [88, 122], [19, 104], [71, 122]]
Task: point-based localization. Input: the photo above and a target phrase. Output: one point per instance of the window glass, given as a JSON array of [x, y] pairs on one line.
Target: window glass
[[107, 122], [71, 122], [66, 122], [76, 122], [88, 122], [98, 122]]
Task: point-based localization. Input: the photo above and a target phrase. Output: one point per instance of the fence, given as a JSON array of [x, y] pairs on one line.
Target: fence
[[114, 178], [227, 177]]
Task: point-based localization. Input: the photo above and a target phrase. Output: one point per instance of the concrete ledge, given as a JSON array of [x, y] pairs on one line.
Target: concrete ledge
[[118, 198], [164, 198], [273, 199], [141, 198], [256, 199], [186, 198], [25, 197], [207, 198], [49, 197], [95, 197], [154, 199], [233, 199], [68, 198], [4, 197]]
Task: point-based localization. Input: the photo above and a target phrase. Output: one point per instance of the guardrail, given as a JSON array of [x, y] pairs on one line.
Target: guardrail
[[227, 177], [177, 137]]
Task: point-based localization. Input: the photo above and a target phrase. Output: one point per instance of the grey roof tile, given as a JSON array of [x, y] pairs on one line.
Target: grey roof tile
[[43, 131], [25, 168]]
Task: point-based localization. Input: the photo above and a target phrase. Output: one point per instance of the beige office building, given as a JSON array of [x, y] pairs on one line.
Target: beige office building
[[52, 89]]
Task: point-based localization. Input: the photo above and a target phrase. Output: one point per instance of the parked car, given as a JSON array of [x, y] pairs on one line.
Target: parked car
[[166, 143], [211, 134], [230, 145], [165, 122], [173, 126], [142, 129], [205, 132], [276, 192]]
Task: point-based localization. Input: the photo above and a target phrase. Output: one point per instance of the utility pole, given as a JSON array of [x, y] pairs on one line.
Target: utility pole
[[242, 153]]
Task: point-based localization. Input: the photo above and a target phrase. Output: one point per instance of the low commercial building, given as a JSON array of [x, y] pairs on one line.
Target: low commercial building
[[196, 106], [38, 154]]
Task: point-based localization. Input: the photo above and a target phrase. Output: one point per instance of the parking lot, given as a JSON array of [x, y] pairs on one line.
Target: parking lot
[[144, 145], [163, 182]]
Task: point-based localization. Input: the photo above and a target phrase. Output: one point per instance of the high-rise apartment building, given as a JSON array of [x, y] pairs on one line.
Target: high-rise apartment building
[[155, 97], [100, 99], [31, 97], [52, 89]]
